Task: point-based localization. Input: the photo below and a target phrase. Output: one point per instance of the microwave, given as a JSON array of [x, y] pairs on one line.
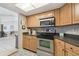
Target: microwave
[[47, 22]]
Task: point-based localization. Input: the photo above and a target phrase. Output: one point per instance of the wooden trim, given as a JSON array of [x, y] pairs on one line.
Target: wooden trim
[[47, 18], [73, 13]]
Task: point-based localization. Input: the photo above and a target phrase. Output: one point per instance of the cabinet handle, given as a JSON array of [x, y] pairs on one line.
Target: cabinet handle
[[59, 42], [70, 48], [63, 49]]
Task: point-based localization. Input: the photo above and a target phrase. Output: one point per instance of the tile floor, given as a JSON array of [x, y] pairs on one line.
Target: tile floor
[[23, 52]]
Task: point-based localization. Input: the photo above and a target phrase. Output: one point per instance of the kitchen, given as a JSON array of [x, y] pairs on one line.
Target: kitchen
[[50, 31], [63, 29]]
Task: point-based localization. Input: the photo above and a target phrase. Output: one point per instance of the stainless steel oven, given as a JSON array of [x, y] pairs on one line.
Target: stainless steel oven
[[45, 45]]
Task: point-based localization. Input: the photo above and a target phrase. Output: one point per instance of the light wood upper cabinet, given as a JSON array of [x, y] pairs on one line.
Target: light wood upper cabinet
[[66, 14], [59, 48], [46, 14], [33, 21], [56, 15], [75, 13]]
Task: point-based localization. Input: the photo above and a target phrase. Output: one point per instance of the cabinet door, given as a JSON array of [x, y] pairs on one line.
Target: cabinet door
[[46, 14], [33, 43], [57, 21], [59, 47], [75, 13], [65, 14], [69, 53], [72, 48], [33, 21], [26, 42]]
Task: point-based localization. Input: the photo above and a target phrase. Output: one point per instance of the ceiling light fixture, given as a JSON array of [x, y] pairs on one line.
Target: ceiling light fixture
[[29, 6]]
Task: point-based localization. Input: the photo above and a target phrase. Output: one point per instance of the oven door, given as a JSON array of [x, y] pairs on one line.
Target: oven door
[[45, 45]]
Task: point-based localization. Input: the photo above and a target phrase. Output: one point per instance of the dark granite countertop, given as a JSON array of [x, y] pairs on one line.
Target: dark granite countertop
[[27, 34], [68, 38]]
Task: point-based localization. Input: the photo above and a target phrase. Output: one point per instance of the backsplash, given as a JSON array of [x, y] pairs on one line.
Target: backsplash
[[73, 29]]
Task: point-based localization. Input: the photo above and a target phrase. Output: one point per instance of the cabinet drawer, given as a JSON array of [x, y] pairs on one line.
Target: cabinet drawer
[[69, 53], [72, 48]]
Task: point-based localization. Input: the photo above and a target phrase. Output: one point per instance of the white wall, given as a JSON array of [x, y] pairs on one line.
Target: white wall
[[8, 18], [10, 22], [17, 22], [24, 22], [20, 32]]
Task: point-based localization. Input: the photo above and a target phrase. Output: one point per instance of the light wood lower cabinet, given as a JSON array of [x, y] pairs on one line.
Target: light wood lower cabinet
[[65, 49], [72, 48], [26, 41], [30, 42], [59, 48], [69, 53], [33, 43]]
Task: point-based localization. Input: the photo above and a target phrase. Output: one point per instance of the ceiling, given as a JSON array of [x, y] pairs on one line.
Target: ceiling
[[49, 6], [6, 12]]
